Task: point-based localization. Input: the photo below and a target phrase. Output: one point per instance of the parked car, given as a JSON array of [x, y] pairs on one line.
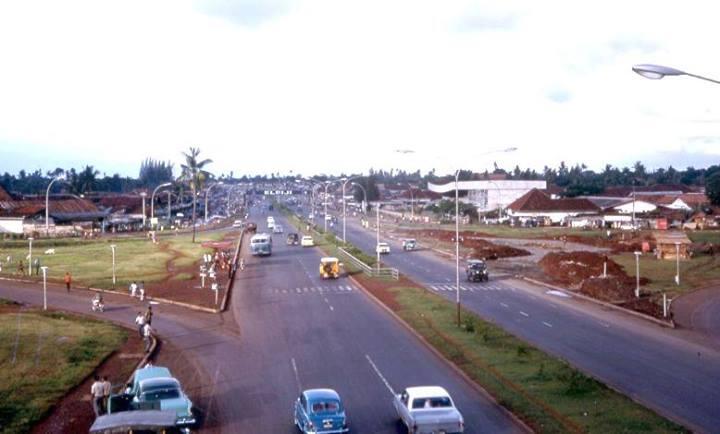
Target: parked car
[[476, 271], [277, 229], [154, 388], [320, 411], [292, 239], [409, 244], [307, 241], [237, 224], [382, 248], [329, 268], [428, 410]]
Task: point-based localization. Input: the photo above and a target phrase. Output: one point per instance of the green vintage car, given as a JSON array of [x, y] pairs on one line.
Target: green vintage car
[[154, 388]]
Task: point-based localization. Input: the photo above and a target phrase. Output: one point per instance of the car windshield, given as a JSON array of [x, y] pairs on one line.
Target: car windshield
[[159, 392], [476, 266], [434, 402], [325, 406]]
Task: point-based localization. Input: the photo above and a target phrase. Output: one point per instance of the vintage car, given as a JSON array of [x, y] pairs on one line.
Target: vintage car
[[138, 421], [409, 244], [476, 271], [428, 410], [250, 226], [320, 411], [237, 224], [382, 248], [277, 229], [154, 388], [292, 239], [329, 268], [307, 241]]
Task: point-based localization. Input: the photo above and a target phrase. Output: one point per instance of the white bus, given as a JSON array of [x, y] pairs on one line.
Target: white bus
[[261, 245]]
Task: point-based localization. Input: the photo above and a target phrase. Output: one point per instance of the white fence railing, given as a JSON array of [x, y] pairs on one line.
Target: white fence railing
[[370, 271]]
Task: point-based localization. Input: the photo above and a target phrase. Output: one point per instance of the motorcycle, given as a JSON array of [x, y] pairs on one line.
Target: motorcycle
[[97, 305]]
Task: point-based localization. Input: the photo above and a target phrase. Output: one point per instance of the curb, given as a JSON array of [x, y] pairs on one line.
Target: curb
[[668, 324], [231, 283], [144, 361], [472, 383]]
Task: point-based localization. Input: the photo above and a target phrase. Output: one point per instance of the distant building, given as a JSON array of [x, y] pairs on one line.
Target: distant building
[[538, 205], [489, 195]]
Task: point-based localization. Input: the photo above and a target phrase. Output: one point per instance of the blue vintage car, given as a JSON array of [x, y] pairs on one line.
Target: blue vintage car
[[320, 411], [154, 388]]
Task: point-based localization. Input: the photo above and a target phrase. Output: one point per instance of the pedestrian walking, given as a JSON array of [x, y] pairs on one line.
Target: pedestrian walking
[[21, 267], [148, 315], [133, 289], [36, 265], [140, 322], [107, 386], [147, 337], [97, 391], [68, 280], [141, 292]]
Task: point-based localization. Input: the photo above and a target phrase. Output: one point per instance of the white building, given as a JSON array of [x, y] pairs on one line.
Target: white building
[[488, 195]]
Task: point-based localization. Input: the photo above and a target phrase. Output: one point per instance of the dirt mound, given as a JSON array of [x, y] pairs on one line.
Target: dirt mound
[[612, 289], [480, 247], [645, 305]]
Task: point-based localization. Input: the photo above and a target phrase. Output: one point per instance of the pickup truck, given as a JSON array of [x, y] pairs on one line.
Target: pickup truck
[[428, 410]]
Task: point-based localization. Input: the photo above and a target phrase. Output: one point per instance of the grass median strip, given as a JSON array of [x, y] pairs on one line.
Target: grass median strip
[[44, 355], [547, 393]]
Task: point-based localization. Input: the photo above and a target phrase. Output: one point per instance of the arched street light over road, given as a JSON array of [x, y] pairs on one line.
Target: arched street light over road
[[656, 72]]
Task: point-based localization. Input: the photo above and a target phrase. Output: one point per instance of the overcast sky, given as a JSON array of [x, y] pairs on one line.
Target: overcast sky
[[335, 86]]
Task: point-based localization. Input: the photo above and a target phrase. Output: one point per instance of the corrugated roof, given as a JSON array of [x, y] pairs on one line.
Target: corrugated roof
[[66, 208], [671, 237], [537, 201]]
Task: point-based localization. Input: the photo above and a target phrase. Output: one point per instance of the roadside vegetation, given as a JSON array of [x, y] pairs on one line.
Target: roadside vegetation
[[697, 272], [44, 355], [90, 261]]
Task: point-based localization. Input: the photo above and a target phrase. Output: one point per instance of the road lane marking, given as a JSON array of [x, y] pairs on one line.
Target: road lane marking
[[379, 374], [212, 391], [504, 305], [547, 324], [326, 300], [524, 314], [297, 376]]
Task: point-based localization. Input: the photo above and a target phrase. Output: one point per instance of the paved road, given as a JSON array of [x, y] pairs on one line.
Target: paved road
[[287, 330], [700, 310], [656, 366]]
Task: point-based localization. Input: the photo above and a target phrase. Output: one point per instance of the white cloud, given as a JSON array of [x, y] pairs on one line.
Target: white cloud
[[331, 86]]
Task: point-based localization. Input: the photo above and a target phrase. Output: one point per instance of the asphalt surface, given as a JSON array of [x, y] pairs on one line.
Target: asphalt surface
[[656, 366], [288, 330]]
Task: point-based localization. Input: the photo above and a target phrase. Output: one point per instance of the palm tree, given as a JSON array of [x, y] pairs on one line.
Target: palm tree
[[195, 176]]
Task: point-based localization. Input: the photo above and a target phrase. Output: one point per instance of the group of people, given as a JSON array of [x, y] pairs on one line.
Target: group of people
[[100, 391], [143, 320], [138, 289]]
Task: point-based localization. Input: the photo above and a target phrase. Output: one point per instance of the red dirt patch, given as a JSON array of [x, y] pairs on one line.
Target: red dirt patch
[[644, 305], [474, 241]]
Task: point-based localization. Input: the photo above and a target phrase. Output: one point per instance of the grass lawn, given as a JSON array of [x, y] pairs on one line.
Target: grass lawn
[[544, 391], [704, 236], [695, 273], [90, 261], [43, 355]]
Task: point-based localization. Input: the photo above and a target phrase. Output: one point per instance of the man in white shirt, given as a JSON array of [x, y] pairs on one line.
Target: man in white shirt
[[97, 390], [147, 333], [140, 322]]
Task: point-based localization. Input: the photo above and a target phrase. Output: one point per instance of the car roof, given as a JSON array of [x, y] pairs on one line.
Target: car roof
[[328, 259], [475, 261], [152, 372], [426, 391], [383, 242], [314, 394], [307, 236]]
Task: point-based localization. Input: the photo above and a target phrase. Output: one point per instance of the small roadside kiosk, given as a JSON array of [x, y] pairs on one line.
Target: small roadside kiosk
[[670, 244]]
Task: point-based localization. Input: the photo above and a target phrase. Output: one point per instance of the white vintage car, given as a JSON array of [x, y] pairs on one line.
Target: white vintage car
[[428, 410]]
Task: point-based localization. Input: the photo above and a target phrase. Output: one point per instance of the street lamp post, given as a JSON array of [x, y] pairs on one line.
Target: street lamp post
[[325, 200], [637, 273], [30, 240], [412, 205], [112, 247], [44, 270], [207, 193], [345, 181], [377, 233], [457, 246], [677, 261], [152, 199], [143, 195], [656, 72], [47, 204]]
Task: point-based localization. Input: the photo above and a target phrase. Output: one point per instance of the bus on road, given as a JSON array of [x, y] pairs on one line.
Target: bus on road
[[261, 245]]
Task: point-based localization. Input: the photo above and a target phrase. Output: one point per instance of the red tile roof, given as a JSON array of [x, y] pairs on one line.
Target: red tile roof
[[537, 201]]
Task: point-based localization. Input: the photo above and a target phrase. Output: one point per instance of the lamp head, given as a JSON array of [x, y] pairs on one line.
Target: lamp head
[[656, 72]]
